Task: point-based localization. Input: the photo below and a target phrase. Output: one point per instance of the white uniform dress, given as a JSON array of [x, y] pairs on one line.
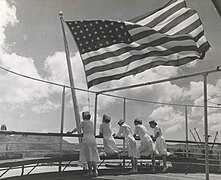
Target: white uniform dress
[[89, 150], [161, 146], [126, 132], [146, 144], [109, 143]]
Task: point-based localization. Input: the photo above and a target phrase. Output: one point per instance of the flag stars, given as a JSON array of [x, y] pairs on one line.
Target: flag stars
[[96, 34]]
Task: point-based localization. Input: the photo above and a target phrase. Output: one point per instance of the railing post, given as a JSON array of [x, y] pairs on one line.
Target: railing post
[[187, 139], [206, 126], [124, 153], [219, 148], [124, 118], [95, 113]]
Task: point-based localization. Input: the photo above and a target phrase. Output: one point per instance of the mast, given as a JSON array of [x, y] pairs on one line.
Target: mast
[[74, 98], [217, 4]]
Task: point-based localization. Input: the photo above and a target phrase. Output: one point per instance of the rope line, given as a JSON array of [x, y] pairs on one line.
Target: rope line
[[111, 95]]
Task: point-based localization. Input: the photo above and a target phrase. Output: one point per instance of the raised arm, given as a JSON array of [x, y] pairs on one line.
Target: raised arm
[[75, 129]]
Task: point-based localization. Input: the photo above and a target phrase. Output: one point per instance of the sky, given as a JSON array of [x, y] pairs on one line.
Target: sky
[[31, 43]]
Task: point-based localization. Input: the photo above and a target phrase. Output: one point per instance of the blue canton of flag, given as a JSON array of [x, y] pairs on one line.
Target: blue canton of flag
[[93, 35]]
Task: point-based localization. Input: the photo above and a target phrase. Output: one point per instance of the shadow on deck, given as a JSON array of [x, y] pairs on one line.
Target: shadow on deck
[[115, 174]]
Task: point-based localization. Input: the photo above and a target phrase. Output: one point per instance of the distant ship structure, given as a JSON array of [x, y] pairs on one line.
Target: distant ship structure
[[3, 127]]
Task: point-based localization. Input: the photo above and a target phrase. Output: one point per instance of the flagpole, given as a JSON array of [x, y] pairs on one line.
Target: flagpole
[[217, 5], [74, 98]]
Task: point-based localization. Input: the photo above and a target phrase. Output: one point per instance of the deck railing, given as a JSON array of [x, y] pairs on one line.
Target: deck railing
[[27, 150]]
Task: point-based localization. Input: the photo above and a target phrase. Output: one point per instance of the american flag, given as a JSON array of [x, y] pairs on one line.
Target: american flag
[[170, 36]]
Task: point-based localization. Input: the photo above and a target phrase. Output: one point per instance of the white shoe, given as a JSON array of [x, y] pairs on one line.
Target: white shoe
[[164, 169]]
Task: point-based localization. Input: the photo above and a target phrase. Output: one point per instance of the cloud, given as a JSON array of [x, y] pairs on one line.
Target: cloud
[[46, 106], [8, 17], [17, 91], [56, 68], [57, 71], [167, 114], [173, 129]]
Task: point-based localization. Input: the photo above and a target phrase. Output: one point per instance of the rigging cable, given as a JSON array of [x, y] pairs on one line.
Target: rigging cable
[[111, 95]]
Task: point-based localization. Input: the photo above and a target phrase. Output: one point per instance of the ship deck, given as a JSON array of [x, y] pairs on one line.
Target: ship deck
[[116, 175]]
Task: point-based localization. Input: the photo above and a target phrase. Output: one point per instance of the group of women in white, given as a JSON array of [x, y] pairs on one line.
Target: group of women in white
[[152, 146]]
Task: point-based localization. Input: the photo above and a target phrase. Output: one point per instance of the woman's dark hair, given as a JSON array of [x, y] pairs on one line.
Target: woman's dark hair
[[120, 122], [106, 118], [153, 122], [138, 121], [86, 115]]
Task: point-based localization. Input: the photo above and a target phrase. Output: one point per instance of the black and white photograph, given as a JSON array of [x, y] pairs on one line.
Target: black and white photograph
[[110, 89]]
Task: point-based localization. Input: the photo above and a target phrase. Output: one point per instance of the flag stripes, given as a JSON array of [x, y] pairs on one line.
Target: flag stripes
[[170, 36]]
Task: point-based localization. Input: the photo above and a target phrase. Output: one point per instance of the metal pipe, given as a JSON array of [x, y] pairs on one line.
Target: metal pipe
[[95, 113], [62, 117], [195, 139], [214, 140], [187, 138], [74, 98], [124, 144], [162, 80], [217, 4], [62, 123], [124, 110], [198, 137], [206, 127]]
